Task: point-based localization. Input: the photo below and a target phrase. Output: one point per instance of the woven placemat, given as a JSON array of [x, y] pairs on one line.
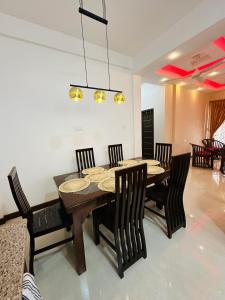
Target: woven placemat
[[74, 185]]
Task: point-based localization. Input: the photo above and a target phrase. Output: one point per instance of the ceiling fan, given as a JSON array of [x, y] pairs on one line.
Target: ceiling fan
[[198, 74]]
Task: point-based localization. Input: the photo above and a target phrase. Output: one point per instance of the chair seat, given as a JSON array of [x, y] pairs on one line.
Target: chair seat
[[215, 148], [50, 219], [203, 153], [157, 193], [106, 215]]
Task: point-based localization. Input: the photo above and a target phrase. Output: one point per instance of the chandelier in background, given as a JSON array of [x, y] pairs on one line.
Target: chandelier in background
[[75, 92]]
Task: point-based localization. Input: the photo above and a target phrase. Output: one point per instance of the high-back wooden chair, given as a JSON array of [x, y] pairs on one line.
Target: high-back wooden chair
[[85, 158], [41, 220], [163, 153], [124, 217], [115, 154], [171, 197]]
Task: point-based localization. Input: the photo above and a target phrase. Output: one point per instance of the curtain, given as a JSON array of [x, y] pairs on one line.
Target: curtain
[[217, 115]]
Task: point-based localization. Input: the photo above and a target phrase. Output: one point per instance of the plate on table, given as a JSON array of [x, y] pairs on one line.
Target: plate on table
[[107, 185], [113, 170], [91, 171], [129, 162], [152, 170], [150, 162], [74, 185], [98, 177]]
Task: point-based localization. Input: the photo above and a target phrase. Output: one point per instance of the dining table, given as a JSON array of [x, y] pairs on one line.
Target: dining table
[[82, 203]]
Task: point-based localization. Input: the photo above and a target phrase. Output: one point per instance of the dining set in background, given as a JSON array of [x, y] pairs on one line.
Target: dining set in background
[[115, 195]]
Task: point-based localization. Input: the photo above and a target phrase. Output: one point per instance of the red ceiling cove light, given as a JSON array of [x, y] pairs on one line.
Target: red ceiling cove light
[[220, 42], [174, 72], [203, 67], [213, 84]]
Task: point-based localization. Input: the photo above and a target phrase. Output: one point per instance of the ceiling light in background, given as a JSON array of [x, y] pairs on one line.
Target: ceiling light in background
[[199, 89], [164, 79], [173, 55], [214, 73], [182, 83]]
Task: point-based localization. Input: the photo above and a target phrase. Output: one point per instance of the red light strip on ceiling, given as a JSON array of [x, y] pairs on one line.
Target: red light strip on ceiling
[[174, 72], [220, 42], [213, 84], [203, 67]]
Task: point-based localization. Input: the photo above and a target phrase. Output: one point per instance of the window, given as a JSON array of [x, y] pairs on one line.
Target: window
[[220, 133]]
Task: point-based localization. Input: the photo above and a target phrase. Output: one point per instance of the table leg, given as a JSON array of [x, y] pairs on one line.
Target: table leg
[[80, 263]]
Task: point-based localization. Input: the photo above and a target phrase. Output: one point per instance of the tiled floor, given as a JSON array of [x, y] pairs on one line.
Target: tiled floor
[[190, 266]]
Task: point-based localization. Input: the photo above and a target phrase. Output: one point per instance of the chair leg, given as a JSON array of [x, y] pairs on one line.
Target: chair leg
[[120, 273], [119, 256], [96, 230], [184, 222], [32, 248], [168, 225]]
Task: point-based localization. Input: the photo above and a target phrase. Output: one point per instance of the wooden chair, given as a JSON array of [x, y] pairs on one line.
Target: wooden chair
[[115, 154], [85, 158], [202, 157], [163, 153], [215, 146], [124, 217], [212, 143], [222, 165], [41, 220], [171, 196]]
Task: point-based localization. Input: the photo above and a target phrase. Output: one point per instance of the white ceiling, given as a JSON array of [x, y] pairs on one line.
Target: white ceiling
[[132, 23]]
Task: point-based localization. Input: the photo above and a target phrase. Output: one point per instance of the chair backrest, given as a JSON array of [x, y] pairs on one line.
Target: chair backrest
[[130, 186], [115, 154], [85, 158], [163, 153], [174, 208], [217, 144], [18, 194], [179, 170], [212, 143], [207, 142], [200, 150]]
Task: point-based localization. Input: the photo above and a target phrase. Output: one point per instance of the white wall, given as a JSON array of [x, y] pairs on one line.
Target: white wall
[[39, 126], [153, 96]]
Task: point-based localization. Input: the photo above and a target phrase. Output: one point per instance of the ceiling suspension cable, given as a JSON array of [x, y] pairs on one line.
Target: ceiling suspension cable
[[84, 50]]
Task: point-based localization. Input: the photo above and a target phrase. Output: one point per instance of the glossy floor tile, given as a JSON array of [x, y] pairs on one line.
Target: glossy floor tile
[[189, 266]]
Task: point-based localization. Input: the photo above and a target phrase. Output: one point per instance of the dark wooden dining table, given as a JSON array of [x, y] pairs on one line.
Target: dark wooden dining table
[[81, 204]]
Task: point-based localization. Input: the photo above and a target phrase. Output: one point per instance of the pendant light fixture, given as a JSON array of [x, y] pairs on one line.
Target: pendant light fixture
[[75, 91], [119, 98], [76, 94]]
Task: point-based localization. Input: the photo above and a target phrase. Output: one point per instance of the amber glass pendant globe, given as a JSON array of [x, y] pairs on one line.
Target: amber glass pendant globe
[[119, 98], [100, 96], [76, 94]]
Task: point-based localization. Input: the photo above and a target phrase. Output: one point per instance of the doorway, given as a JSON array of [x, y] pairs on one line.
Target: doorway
[[147, 120]]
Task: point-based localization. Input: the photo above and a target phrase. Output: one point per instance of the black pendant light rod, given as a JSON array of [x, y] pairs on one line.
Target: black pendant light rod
[[92, 16], [94, 88]]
